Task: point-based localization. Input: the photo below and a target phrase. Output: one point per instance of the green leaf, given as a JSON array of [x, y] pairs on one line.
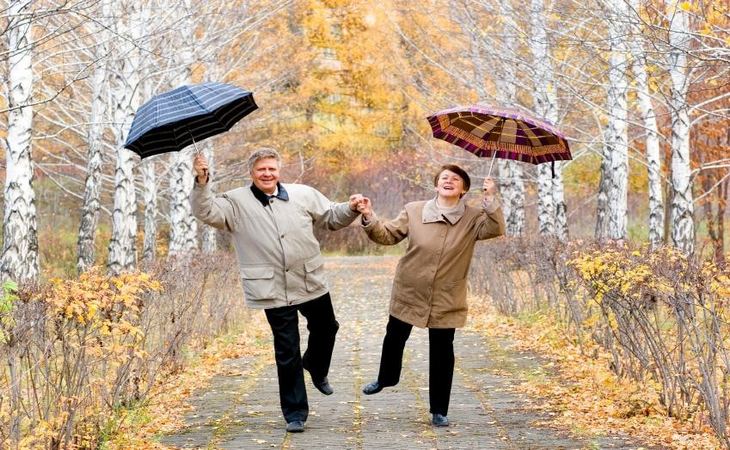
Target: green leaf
[[10, 288]]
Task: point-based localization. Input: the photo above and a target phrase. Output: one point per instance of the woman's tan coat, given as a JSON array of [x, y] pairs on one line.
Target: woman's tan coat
[[429, 289]]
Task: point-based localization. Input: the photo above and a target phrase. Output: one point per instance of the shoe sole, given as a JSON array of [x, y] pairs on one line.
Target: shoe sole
[[373, 392], [324, 392]]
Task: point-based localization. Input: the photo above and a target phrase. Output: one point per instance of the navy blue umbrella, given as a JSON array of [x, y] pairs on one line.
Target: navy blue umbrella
[[188, 114]]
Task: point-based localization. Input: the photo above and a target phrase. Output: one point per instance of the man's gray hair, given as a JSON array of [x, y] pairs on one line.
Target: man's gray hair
[[262, 153]]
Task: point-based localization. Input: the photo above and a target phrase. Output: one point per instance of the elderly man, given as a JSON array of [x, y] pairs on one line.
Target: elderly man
[[281, 266]]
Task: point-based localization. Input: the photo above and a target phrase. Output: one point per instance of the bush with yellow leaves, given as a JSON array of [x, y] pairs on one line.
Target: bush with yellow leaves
[[80, 350], [663, 317]]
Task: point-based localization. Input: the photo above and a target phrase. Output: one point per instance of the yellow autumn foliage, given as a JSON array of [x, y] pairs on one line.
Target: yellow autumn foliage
[[95, 298], [631, 274]]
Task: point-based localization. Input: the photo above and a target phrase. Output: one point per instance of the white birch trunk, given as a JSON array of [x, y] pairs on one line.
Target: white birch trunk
[[683, 234], [149, 194], [183, 226], [512, 185], [90, 206], [20, 236], [546, 201], [601, 231], [125, 80], [648, 116], [209, 241], [149, 186], [550, 201], [617, 146], [561, 208], [512, 188]]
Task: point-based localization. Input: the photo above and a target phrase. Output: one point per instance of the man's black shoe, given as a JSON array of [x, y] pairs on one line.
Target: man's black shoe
[[323, 386], [439, 420], [372, 388], [295, 426]]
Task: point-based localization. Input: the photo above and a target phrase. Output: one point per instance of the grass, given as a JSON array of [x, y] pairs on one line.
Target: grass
[[130, 417]]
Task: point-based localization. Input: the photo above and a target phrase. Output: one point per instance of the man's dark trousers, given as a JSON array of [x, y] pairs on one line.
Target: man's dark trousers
[[322, 328]]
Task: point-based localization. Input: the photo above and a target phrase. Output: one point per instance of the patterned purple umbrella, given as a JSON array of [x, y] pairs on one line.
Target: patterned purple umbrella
[[500, 132]]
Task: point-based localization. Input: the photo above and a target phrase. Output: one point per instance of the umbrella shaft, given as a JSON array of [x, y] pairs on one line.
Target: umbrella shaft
[[494, 154]]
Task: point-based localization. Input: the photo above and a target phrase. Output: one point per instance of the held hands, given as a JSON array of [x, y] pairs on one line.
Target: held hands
[[355, 199], [361, 204], [200, 165], [365, 207]]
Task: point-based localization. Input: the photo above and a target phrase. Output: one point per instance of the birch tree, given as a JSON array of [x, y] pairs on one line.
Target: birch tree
[[125, 79], [616, 151], [99, 101], [510, 173], [183, 226], [20, 236], [208, 234], [545, 99], [648, 117], [148, 167], [512, 185], [682, 209]]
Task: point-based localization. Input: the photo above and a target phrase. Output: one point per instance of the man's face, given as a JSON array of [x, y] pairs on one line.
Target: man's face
[[265, 174]]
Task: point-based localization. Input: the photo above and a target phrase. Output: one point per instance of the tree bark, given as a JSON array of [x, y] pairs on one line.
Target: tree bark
[[90, 206], [512, 184], [125, 81], [209, 235], [546, 106], [183, 226], [601, 231], [149, 186], [149, 194], [682, 209], [617, 146], [20, 236], [648, 116]]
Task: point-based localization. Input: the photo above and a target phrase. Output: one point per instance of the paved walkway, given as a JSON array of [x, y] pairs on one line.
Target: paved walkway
[[241, 410]]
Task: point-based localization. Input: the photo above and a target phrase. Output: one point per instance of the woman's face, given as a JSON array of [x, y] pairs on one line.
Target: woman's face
[[449, 185]]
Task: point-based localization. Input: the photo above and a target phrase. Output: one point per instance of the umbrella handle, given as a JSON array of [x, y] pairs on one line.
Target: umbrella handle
[[197, 150], [494, 155]]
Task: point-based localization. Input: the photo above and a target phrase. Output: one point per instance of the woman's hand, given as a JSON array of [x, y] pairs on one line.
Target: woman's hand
[[365, 207], [489, 187]]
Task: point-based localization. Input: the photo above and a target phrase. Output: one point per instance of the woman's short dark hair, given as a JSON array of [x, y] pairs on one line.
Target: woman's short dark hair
[[457, 170]]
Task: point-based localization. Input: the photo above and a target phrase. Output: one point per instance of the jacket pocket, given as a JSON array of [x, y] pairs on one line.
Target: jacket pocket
[[454, 295], [314, 274], [258, 283]]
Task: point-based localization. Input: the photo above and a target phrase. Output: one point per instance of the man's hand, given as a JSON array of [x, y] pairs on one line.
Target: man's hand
[[355, 199], [200, 165]]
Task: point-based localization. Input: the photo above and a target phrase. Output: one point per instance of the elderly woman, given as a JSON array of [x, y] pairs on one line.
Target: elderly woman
[[429, 289]]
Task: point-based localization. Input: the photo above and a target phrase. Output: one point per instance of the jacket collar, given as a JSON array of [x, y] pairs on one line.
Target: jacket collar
[[263, 197], [432, 214]]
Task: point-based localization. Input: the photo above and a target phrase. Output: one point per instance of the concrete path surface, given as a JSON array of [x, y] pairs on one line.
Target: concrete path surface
[[240, 410]]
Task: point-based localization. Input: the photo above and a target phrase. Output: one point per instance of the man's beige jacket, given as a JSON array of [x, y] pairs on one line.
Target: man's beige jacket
[[278, 255]]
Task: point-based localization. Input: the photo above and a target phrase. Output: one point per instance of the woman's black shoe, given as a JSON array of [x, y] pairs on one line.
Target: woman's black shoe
[[372, 388], [295, 426], [439, 420]]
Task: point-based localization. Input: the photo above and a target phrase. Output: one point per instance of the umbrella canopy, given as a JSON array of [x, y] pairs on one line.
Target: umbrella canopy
[[500, 132], [173, 120]]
